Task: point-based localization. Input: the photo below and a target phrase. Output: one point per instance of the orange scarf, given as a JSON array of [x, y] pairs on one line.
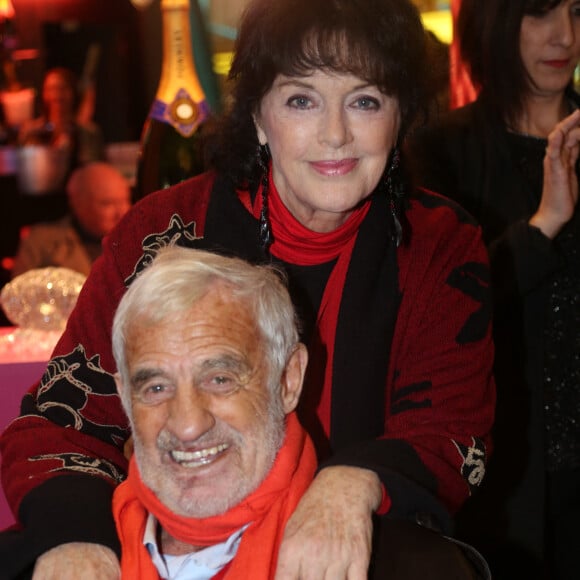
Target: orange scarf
[[267, 510]]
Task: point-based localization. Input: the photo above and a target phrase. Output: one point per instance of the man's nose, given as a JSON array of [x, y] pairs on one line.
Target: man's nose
[[190, 415], [122, 208]]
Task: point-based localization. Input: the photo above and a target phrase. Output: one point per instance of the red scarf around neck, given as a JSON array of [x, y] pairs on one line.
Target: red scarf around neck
[[267, 510], [296, 244]]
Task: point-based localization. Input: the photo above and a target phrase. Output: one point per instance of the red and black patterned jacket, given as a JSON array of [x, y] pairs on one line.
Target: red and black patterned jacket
[[412, 397]]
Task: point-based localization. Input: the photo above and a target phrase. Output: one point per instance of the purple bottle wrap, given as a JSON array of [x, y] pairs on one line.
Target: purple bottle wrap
[[183, 113]]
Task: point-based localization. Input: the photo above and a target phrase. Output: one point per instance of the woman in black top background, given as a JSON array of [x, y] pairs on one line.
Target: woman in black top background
[[510, 159]]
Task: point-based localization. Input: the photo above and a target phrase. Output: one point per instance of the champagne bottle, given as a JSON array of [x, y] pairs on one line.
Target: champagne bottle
[[171, 139], [203, 54]]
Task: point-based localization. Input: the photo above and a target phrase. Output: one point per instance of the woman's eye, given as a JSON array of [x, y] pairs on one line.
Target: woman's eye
[[299, 102], [367, 103]]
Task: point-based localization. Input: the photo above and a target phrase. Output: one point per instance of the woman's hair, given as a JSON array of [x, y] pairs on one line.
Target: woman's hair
[[380, 41], [489, 41], [179, 277]]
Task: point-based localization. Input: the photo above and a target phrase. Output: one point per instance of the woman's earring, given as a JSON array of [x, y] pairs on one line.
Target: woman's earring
[[395, 192], [265, 232]]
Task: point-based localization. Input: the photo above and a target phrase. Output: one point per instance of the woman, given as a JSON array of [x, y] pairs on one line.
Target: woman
[[390, 285], [510, 159], [58, 125]]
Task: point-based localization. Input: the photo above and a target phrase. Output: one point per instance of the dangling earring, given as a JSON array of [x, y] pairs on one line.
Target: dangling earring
[[395, 193], [265, 232]]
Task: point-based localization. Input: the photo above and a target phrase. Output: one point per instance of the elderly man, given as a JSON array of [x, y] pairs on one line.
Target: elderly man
[[98, 197], [209, 372]]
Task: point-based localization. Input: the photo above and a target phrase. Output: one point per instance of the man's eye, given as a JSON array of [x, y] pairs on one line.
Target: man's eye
[[221, 384], [154, 393]]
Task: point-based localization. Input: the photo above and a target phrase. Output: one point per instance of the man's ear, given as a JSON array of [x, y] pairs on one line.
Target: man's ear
[[128, 447], [118, 383], [293, 378]]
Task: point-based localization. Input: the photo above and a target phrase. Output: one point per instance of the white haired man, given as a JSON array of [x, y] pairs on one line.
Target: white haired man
[[209, 371]]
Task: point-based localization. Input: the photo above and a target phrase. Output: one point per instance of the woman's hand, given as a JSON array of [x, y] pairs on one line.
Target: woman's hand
[[329, 535], [560, 189], [78, 560]]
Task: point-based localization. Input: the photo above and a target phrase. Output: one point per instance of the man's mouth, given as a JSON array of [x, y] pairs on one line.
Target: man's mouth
[[197, 458]]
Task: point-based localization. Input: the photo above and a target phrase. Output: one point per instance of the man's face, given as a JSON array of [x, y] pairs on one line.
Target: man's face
[[102, 208], [206, 428]]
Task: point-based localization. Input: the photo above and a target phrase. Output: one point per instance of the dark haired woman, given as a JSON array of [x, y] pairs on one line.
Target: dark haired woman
[[391, 286], [510, 158], [58, 124]]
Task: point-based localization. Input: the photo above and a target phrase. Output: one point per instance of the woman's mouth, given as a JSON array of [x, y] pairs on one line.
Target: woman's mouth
[[334, 167], [559, 63]]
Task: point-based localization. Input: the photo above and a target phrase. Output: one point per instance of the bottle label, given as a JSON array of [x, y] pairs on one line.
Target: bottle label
[[183, 113]]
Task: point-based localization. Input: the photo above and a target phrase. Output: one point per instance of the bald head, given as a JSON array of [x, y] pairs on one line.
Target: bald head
[[99, 196]]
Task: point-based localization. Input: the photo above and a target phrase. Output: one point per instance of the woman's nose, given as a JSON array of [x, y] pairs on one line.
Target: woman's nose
[[334, 127], [565, 32]]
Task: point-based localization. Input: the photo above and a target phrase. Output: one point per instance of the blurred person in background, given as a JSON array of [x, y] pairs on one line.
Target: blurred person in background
[[98, 197], [511, 159], [60, 124]]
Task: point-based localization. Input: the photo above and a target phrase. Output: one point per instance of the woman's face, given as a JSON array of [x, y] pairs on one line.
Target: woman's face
[[57, 94], [550, 47], [330, 136]]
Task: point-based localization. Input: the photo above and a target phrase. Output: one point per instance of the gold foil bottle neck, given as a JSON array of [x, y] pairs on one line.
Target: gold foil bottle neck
[[174, 4]]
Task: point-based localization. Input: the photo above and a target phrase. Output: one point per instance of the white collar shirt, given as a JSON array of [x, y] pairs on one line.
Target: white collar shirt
[[200, 565]]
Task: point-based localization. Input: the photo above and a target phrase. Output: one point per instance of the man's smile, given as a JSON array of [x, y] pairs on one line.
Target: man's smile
[[198, 458]]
